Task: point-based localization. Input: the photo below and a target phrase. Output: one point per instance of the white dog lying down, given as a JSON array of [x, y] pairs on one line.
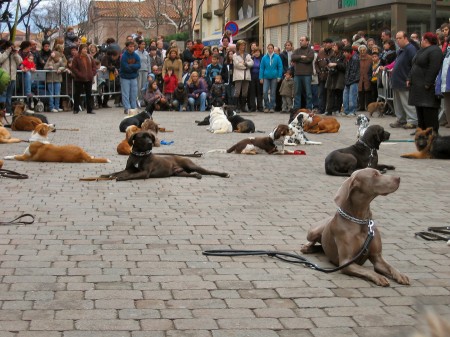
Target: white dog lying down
[[218, 121]]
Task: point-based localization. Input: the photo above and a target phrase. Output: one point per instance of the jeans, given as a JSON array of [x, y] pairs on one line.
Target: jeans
[[27, 83], [54, 89], [302, 82], [6, 96], [199, 100], [315, 95], [270, 84], [350, 98], [129, 92]]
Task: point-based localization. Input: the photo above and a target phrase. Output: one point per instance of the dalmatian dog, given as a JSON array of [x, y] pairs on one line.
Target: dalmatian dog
[[362, 121], [299, 137]]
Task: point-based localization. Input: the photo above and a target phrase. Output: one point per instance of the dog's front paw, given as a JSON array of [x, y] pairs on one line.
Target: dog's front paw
[[402, 279], [8, 157], [381, 281]]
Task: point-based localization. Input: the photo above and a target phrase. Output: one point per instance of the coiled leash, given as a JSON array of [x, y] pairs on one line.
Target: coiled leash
[[431, 234], [295, 258], [16, 222], [11, 174]]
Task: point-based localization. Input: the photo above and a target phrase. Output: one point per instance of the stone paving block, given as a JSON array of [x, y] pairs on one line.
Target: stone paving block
[[195, 324], [244, 333], [51, 325], [110, 324]]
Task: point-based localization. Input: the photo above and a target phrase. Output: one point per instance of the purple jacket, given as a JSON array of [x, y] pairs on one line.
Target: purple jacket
[[197, 89]]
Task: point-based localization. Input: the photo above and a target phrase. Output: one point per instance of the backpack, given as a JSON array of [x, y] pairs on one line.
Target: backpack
[[4, 80]]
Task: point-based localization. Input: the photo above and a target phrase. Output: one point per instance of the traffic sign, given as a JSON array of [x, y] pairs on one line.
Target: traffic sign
[[232, 27]]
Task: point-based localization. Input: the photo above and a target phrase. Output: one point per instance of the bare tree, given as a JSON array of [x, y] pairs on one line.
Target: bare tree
[[20, 11], [181, 11], [46, 19]]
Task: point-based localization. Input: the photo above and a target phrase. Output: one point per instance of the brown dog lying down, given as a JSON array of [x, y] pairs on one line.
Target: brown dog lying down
[[321, 124], [124, 147], [342, 236], [143, 164], [254, 145], [41, 150], [5, 136], [24, 121], [430, 145], [1, 164]]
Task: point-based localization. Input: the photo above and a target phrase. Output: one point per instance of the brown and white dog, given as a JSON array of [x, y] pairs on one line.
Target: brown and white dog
[[255, 145], [321, 124], [124, 148], [150, 126], [25, 121], [41, 150], [5, 136]]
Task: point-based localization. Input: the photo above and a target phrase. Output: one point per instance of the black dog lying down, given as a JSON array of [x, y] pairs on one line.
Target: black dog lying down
[[240, 124], [137, 119], [143, 164], [362, 154]]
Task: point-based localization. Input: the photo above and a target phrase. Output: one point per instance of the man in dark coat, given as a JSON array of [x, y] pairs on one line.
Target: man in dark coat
[[405, 113], [425, 67], [303, 58], [323, 58]]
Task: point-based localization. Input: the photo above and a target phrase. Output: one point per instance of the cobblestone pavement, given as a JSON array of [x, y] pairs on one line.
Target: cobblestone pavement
[[110, 259]]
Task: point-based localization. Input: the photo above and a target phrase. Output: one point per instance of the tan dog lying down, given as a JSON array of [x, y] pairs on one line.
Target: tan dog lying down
[[40, 149], [5, 136], [342, 237]]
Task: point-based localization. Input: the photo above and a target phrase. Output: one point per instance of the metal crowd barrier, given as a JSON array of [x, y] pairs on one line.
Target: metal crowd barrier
[[385, 93], [39, 86]]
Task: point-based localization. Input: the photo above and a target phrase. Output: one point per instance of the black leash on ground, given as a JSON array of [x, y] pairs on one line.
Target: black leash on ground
[[196, 154], [16, 222], [291, 258], [11, 174], [435, 234]]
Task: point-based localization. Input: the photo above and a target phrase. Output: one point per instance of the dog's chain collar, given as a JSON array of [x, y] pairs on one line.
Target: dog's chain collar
[[371, 152], [141, 154], [369, 222]]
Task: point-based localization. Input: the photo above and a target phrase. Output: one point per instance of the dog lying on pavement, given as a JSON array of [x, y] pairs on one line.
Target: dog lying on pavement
[[137, 119], [321, 124], [240, 124], [41, 150], [430, 145], [263, 144], [362, 121], [218, 121], [343, 162], [343, 235], [5, 136], [143, 164], [24, 121], [296, 125]]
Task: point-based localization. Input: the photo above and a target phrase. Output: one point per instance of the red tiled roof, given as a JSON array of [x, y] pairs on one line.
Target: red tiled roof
[[144, 9]]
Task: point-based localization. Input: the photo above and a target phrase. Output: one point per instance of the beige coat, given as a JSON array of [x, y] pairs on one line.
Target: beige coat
[[55, 65], [241, 67], [9, 63]]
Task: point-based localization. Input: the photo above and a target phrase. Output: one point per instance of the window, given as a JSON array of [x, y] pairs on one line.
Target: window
[[245, 9]]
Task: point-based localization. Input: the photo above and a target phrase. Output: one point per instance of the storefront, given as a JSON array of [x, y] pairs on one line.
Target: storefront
[[343, 18]]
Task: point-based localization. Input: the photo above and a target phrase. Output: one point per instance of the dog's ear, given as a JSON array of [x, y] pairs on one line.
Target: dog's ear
[[344, 192], [131, 140]]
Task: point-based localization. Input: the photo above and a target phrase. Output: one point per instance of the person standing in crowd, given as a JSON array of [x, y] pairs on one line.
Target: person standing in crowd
[[187, 53], [173, 61], [155, 60], [144, 70], [287, 91], [365, 69], [255, 89], [445, 29], [212, 70], [56, 63], [160, 50], [303, 58], [350, 96], [227, 77], [130, 64], [336, 80], [83, 72], [206, 57], [421, 81], [323, 58], [242, 63], [443, 88], [286, 55], [9, 61], [388, 55], [405, 113], [270, 73], [374, 76]]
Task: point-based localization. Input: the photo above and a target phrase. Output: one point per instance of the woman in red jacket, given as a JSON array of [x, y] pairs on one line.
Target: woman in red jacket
[[83, 72]]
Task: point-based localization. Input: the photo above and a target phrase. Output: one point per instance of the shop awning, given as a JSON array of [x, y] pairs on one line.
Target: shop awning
[[244, 26]]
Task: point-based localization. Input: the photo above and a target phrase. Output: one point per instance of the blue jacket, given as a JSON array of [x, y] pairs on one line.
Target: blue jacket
[[129, 65], [271, 67], [402, 67], [444, 69]]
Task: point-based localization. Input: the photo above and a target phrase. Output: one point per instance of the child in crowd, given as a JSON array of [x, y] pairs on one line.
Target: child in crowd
[[154, 97], [203, 74], [157, 77], [287, 92], [229, 35], [212, 70], [180, 98], [186, 72], [28, 66], [197, 49], [217, 92], [195, 66], [57, 63], [170, 84], [374, 78]]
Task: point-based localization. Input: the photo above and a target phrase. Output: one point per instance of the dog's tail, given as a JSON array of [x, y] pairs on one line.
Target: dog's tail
[[11, 140], [217, 151], [98, 160]]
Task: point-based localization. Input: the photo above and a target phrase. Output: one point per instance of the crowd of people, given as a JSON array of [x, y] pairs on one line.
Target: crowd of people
[[337, 77]]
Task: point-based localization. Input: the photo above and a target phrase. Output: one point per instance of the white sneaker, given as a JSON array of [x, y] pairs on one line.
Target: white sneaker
[[54, 110], [60, 110]]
